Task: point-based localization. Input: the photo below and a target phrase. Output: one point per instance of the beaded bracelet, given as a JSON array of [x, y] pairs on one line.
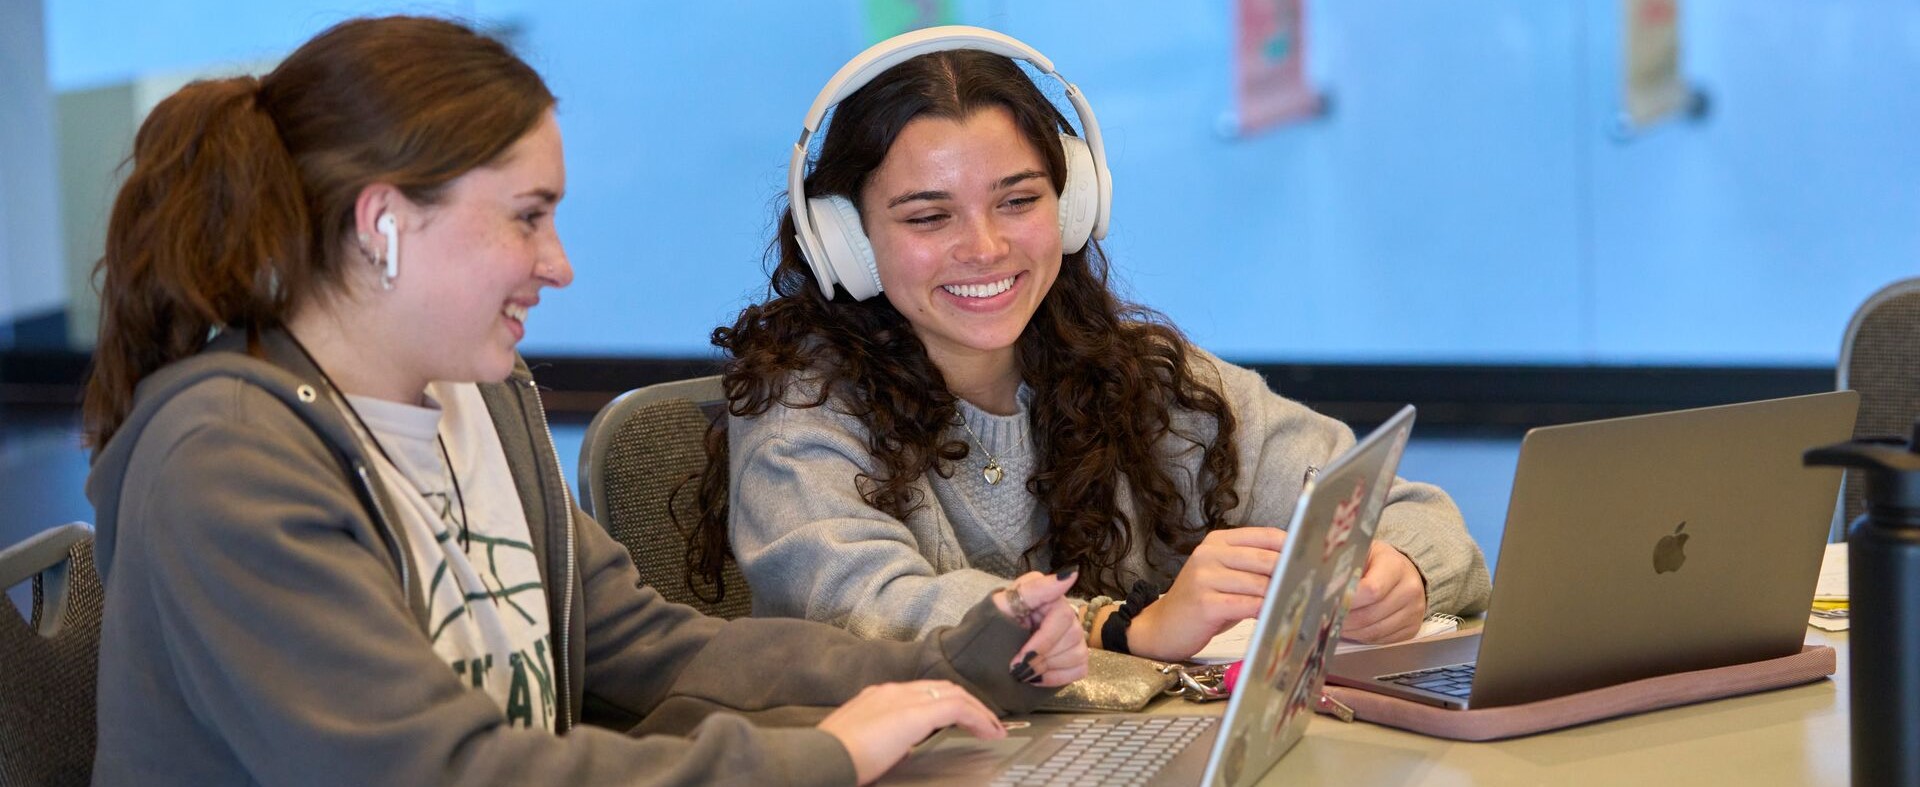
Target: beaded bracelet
[[1089, 613]]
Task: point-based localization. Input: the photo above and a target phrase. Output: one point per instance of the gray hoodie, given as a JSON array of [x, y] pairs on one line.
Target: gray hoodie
[[263, 624]]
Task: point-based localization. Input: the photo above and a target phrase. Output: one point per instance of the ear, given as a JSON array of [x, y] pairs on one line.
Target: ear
[[374, 200]]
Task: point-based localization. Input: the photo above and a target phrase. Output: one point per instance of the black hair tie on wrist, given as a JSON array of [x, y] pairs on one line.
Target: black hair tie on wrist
[[1113, 633]]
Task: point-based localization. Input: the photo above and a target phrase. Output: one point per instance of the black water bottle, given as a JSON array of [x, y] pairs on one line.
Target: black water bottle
[[1883, 598]]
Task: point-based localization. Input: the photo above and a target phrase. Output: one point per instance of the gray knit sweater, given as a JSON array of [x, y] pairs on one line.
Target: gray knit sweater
[[812, 547]]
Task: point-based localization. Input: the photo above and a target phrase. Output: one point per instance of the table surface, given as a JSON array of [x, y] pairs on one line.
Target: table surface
[[1796, 735]]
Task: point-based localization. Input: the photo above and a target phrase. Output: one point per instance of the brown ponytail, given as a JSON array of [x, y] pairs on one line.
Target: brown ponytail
[[207, 232], [241, 193]]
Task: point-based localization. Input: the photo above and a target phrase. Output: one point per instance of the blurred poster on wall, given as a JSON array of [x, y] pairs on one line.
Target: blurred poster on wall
[[1653, 88], [889, 18], [1270, 65]]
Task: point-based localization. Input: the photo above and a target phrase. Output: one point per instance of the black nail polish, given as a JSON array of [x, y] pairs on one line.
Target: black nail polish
[[1021, 672], [1028, 659], [1035, 679], [1064, 572]]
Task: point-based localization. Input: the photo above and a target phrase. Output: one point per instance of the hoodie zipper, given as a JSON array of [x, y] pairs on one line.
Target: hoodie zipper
[[566, 604]]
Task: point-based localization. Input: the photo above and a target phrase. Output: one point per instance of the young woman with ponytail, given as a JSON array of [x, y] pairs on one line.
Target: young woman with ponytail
[[335, 540]]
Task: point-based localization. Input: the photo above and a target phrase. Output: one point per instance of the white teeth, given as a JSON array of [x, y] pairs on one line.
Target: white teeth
[[980, 290], [515, 312]]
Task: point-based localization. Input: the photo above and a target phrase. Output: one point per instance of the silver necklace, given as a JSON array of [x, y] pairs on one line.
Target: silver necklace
[[992, 472]]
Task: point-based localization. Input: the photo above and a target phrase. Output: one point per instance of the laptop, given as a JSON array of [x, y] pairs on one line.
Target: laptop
[[1333, 524], [1637, 547]]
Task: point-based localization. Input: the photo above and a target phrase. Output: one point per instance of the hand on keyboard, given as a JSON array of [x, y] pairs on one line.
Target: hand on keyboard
[[883, 721]]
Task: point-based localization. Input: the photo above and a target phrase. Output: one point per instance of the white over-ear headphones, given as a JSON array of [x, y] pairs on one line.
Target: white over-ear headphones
[[386, 227], [828, 228]]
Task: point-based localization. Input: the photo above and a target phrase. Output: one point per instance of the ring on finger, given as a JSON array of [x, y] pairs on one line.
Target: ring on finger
[[1017, 605]]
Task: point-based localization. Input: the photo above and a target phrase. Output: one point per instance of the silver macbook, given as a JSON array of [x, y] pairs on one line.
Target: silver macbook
[[1637, 547], [1280, 681]]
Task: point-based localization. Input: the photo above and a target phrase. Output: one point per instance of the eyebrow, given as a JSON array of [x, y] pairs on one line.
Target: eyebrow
[[548, 196], [1006, 182]]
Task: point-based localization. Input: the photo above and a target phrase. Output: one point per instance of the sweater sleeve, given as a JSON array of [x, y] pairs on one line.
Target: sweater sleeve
[[812, 547], [1279, 439], [248, 568]]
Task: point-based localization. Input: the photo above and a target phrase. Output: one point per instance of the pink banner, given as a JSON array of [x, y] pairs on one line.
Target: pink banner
[[1270, 65], [1653, 89]]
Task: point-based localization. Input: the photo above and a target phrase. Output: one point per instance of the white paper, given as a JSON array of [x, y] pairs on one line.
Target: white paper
[[1827, 624], [1833, 574], [1229, 645], [1232, 644]]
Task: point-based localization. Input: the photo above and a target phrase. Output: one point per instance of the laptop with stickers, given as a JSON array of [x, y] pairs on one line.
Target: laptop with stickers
[[1280, 681]]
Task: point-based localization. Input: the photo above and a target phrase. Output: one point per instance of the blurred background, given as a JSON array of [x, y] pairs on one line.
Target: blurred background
[[1472, 219]]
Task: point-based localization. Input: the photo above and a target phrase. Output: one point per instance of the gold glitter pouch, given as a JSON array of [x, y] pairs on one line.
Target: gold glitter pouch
[[1114, 682]]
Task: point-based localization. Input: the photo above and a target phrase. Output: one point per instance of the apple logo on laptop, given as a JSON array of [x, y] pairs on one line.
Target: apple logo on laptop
[[1671, 551]]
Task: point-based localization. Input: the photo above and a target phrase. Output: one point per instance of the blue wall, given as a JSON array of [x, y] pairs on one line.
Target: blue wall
[[1466, 200]]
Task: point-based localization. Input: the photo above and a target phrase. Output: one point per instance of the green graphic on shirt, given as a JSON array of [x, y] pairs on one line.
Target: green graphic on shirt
[[492, 545], [443, 508], [542, 671], [444, 622], [475, 578], [492, 588], [519, 698], [520, 707], [475, 670]]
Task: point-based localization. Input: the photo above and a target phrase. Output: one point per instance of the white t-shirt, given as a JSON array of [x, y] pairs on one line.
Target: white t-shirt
[[486, 607]]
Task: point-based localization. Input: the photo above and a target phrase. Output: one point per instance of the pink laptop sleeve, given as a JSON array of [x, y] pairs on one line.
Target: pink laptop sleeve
[[1812, 663]]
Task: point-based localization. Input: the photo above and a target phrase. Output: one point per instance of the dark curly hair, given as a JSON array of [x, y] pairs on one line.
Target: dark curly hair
[[1105, 373]]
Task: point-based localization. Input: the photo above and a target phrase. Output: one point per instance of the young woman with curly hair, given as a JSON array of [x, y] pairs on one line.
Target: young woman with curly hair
[[1000, 408]]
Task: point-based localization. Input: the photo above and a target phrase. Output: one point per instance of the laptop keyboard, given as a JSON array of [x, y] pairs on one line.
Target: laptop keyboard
[[1453, 681], [1127, 750]]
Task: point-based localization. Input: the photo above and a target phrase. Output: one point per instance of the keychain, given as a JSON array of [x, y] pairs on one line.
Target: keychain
[[1215, 682], [1201, 684]]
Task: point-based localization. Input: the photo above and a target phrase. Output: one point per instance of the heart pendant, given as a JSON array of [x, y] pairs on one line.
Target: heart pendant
[[992, 473]]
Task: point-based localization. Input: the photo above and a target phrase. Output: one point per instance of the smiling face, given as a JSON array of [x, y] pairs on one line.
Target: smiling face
[[965, 227], [473, 264]]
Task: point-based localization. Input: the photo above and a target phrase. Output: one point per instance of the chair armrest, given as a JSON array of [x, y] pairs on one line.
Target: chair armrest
[[41, 551], [46, 553]]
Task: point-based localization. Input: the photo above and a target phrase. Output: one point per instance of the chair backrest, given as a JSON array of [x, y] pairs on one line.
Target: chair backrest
[[641, 466], [1880, 358], [48, 664]]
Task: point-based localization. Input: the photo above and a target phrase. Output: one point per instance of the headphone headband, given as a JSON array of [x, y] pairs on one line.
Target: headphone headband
[[876, 60], [864, 67]]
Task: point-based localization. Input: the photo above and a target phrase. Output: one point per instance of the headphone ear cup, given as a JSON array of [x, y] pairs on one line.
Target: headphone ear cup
[[1079, 199], [843, 241]]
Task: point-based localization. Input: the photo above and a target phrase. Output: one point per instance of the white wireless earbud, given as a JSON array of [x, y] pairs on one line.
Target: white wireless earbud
[[387, 228]]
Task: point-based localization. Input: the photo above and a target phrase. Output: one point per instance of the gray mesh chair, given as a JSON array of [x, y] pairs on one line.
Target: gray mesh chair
[[640, 468], [48, 663], [1880, 358]]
